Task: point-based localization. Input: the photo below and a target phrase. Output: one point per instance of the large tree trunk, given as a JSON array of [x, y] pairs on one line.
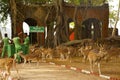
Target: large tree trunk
[[13, 14], [62, 29], [75, 21], [49, 21], [55, 36], [58, 34]]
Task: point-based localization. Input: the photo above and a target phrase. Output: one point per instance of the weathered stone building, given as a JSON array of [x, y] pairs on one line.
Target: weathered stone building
[[94, 20]]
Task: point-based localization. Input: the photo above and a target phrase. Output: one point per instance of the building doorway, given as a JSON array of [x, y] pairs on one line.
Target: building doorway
[[33, 36], [91, 28]]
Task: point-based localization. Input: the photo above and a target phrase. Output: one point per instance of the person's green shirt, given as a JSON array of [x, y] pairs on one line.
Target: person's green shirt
[[17, 44], [18, 47], [26, 41], [26, 45], [6, 41], [5, 45]]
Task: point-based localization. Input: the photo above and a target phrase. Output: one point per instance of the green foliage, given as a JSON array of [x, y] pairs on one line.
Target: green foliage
[[112, 15], [4, 10], [75, 2], [4, 5], [4, 1], [34, 1], [97, 2], [86, 2]]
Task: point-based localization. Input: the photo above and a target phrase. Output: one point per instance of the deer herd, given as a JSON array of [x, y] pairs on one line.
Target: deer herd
[[92, 52]]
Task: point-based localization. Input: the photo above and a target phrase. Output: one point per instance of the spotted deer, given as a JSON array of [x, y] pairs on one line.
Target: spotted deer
[[31, 56], [46, 53], [63, 52], [7, 64], [95, 56], [85, 51]]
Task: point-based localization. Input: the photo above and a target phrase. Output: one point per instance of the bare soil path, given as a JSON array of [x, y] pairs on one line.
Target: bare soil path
[[47, 71], [110, 68]]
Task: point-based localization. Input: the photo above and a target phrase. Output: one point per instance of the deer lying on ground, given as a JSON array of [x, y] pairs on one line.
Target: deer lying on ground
[[46, 53], [63, 52], [112, 52], [66, 53], [7, 64]]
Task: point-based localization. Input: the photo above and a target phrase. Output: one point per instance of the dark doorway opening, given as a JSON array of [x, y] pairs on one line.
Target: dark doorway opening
[[33, 36], [91, 28]]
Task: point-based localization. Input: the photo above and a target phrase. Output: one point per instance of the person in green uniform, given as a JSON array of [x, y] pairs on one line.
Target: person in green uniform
[[26, 44], [18, 47], [5, 45]]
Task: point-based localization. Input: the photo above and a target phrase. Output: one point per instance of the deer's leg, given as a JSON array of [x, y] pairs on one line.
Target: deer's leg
[[8, 71], [70, 58], [15, 56], [24, 62], [84, 58], [14, 65], [91, 66], [62, 57], [43, 57], [48, 55], [51, 57], [99, 68], [68, 55], [29, 61], [37, 62]]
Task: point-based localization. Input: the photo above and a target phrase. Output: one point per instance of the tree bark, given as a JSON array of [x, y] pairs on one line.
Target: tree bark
[[61, 30], [13, 16]]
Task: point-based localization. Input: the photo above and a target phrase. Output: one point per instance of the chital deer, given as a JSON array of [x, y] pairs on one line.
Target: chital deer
[[7, 64], [96, 56], [63, 52], [29, 57], [112, 52], [66, 53], [72, 51], [46, 53], [85, 51]]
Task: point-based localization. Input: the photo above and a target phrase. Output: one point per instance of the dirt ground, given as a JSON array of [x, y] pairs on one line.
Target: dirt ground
[[43, 72], [110, 68], [46, 71]]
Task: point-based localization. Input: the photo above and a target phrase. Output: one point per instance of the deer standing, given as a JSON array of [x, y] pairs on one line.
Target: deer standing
[[7, 64]]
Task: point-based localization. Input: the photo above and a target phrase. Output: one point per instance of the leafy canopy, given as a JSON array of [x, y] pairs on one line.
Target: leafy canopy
[[5, 8]]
